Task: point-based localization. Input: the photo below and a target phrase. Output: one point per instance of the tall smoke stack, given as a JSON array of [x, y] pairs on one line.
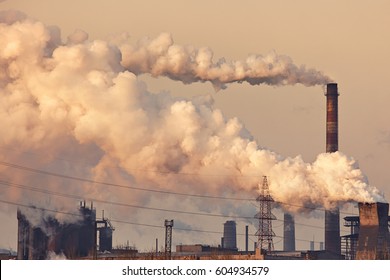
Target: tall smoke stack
[[332, 218]]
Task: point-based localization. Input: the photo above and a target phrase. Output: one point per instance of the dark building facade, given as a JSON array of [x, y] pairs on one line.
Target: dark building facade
[[73, 240]]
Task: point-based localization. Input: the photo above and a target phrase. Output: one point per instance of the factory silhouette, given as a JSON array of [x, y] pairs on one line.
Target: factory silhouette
[[91, 238]]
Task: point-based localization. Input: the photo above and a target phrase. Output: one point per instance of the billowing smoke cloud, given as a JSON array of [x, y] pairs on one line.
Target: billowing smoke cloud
[[77, 37], [82, 100], [162, 57], [11, 16]]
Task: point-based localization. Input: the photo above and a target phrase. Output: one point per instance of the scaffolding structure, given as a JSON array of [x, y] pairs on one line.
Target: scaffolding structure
[[168, 239], [349, 242], [265, 233]]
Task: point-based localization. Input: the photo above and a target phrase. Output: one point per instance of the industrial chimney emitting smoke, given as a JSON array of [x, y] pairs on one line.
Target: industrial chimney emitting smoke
[[332, 218]]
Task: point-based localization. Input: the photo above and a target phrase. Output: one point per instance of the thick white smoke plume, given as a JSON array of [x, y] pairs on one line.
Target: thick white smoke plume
[[162, 57], [82, 100]]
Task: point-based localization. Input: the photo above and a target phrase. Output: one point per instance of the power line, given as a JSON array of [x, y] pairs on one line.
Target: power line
[[112, 220], [148, 170], [35, 189], [125, 222], [118, 203], [43, 172], [33, 170]]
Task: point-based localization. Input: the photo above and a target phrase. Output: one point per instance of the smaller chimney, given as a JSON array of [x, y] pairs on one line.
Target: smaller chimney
[[374, 240], [229, 235], [289, 233], [246, 238]]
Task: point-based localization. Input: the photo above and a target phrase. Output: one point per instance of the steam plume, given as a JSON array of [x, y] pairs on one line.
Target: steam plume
[[83, 100], [162, 57]]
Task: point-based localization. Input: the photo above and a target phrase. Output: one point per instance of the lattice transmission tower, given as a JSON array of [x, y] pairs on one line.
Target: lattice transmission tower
[[265, 217], [168, 238]]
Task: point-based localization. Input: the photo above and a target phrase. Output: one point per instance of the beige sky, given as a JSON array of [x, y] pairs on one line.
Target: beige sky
[[347, 40]]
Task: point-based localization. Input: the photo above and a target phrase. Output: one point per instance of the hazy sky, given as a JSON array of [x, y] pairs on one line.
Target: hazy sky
[[346, 40]]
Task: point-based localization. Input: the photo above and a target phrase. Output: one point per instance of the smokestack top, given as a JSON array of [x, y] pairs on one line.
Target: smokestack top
[[331, 89], [373, 214]]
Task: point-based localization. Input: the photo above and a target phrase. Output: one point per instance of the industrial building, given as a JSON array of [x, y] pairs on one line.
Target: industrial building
[[73, 240], [7, 254], [369, 233], [105, 230]]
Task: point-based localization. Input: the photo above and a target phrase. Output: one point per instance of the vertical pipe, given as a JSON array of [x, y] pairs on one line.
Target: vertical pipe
[[246, 238], [332, 218], [95, 241]]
